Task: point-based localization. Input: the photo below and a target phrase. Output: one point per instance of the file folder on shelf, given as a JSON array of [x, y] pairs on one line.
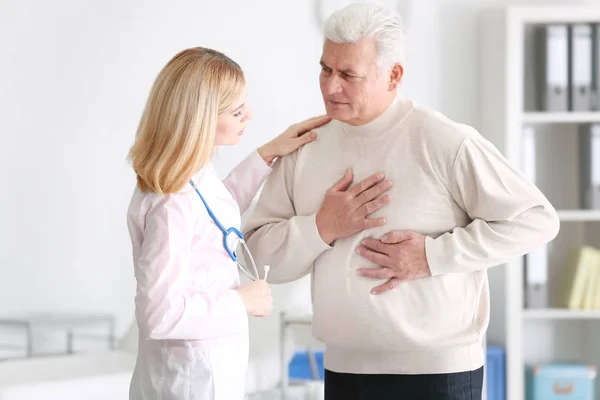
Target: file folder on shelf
[[528, 153], [580, 67], [536, 278], [596, 67], [553, 68], [589, 166]]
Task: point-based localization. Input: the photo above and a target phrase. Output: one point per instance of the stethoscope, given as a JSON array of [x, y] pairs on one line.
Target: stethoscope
[[226, 233]]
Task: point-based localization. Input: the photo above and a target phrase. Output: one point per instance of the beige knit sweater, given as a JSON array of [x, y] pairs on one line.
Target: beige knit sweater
[[450, 184]]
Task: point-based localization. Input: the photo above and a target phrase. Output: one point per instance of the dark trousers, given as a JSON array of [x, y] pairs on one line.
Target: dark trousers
[[453, 386]]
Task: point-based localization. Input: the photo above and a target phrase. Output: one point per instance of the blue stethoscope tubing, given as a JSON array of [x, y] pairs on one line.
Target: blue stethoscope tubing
[[226, 233]]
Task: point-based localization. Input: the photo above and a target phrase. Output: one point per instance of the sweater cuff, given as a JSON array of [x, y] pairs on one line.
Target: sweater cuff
[[307, 225], [435, 256]]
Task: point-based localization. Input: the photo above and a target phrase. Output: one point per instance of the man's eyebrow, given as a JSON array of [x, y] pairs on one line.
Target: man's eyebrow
[[348, 71]]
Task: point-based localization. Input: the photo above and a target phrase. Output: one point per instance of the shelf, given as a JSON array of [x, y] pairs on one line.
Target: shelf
[[578, 215], [544, 14], [561, 117], [509, 93], [560, 313]]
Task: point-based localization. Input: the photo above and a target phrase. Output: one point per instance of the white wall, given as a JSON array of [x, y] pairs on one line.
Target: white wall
[[74, 78]]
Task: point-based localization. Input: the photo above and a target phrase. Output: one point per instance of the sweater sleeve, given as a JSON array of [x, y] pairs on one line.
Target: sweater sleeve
[[509, 215], [246, 178], [276, 236], [167, 305]]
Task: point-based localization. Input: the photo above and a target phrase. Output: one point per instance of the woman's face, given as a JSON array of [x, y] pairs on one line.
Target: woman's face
[[232, 122]]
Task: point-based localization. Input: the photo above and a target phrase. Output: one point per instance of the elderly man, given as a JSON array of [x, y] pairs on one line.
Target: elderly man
[[435, 207]]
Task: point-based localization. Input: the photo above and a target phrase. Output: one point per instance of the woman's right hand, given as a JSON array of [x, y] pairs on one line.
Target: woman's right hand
[[257, 298], [292, 139]]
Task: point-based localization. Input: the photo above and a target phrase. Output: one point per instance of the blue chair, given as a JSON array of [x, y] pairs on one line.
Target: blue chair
[[307, 365], [495, 370]]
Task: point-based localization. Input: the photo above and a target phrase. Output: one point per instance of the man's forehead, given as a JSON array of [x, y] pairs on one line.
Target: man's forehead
[[344, 56]]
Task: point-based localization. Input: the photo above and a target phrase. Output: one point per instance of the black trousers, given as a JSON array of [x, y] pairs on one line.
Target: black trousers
[[453, 386]]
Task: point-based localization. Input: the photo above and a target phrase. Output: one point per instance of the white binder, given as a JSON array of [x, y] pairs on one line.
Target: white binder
[[589, 166], [528, 155], [536, 278], [580, 71], [553, 70], [596, 67]]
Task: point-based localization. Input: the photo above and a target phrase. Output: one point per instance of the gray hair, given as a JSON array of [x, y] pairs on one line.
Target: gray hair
[[358, 21]]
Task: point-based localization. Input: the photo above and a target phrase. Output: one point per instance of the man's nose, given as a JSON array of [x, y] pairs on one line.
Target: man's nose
[[333, 85]]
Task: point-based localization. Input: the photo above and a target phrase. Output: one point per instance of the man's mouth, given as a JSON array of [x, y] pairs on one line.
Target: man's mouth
[[336, 104]]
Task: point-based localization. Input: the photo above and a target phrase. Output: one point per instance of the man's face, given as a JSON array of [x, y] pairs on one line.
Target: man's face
[[355, 90]]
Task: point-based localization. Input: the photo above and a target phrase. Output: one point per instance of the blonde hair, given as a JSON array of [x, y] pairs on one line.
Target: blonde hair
[[176, 134]]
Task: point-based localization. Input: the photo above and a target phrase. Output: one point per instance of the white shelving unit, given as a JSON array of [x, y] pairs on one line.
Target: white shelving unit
[[506, 91], [579, 215], [560, 117], [557, 313]]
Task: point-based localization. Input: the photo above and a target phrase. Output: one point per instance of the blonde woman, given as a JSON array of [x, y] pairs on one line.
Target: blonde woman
[[190, 308]]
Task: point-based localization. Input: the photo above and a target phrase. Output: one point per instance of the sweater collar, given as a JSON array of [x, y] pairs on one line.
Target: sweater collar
[[380, 126]]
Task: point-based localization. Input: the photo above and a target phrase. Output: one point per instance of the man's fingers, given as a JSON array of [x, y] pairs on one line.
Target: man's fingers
[[397, 236], [375, 257], [372, 206], [376, 245], [389, 285], [374, 192], [376, 273], [369, 223], [343, 183], [366, 184]]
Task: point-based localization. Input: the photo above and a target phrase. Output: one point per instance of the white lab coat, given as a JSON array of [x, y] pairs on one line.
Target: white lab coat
[[193, 342]]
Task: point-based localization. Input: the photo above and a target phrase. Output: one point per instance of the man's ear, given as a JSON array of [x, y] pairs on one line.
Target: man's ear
[[396, 74]]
